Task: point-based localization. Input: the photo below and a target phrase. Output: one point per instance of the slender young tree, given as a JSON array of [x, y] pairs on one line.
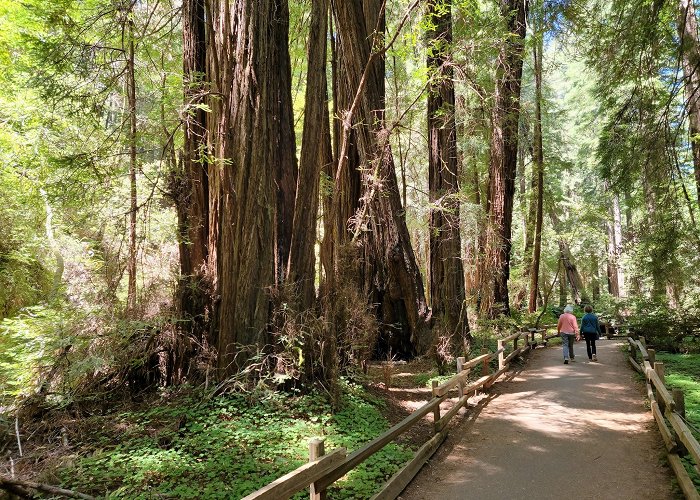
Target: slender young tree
[[130, 73], [538, 177], [446, 272], [504, 152]]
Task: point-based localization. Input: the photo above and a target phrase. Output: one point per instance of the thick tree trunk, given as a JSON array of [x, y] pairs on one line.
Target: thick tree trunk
[[387, 264], [445, 268], [538, 175], [562, 287], [302, 256], [504, 152], [249, 138], [690, 54]]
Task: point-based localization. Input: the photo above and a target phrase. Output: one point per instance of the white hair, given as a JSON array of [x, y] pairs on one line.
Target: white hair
[[569, 309]]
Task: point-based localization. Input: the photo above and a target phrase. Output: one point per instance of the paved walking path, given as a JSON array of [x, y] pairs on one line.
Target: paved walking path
[[554, 431]]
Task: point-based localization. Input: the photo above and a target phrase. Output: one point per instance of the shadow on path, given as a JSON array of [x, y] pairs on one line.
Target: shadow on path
[[579, 431]]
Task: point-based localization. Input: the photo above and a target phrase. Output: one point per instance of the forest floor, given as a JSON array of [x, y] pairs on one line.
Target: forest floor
[[546, 430], [552, 431]]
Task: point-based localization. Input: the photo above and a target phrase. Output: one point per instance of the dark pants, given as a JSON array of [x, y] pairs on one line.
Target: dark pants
[[590, 344]]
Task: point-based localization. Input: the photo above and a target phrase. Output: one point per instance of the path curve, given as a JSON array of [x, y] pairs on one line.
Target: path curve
[[554, 431]]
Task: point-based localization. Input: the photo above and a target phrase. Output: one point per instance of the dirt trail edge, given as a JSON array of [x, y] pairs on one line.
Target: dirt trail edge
[[554, 431]]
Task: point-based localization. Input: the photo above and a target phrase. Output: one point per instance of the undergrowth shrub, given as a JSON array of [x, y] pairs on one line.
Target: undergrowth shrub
[[668, 328]]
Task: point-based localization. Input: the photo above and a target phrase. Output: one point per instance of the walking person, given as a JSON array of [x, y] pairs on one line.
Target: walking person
[[590, 329], [567, 327]]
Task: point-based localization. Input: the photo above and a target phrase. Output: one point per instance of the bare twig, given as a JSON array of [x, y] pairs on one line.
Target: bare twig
[[19, 442], [14, 485]]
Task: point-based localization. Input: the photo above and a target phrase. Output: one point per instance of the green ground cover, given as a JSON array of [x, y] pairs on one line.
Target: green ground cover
[[229, 446], [683, 372]]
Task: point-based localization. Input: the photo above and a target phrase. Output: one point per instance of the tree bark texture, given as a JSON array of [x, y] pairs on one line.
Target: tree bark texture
[[250, 139], [446, 272], [690, 55], [302, 257], [504, 152], [387, 264], [191, 192], [538, 176]]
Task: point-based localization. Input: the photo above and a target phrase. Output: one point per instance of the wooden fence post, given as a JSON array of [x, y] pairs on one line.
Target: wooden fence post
[[661, 372], [679, 399], [460, 364], [316, 451], [652, 356], [515, 343], [485, 366], [436, 411], [501, 356], [643, 340]]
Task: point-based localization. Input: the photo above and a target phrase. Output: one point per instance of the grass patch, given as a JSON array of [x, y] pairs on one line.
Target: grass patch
[[227, 447], [683, 372]]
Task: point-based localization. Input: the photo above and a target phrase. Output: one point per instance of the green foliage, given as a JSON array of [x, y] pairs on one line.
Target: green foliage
[[683, 372], [669, 328], [226, 447]]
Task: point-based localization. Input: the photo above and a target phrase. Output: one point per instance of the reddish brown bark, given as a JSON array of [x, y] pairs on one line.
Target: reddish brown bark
[[504, 151], [446, 272], [302, 257], [249, 139], [387, 265]]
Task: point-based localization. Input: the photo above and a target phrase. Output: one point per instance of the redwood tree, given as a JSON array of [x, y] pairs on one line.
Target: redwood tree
[[538, 178], [504, 151], [386, 263], [690, 55], [315, 140], [250, 138], [445, 268]]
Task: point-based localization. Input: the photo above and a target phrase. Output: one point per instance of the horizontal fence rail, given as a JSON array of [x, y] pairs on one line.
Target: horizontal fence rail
[[323, 470], [668, 409]]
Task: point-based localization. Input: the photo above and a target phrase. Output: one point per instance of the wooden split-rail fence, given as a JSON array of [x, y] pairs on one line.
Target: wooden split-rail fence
[[668, 408], [323, 469]]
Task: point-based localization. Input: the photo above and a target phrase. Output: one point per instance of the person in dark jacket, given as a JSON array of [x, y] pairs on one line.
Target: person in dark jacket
[[590, 329]]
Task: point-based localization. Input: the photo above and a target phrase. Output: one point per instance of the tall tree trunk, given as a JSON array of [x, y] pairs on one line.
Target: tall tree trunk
[[538, 174], [391, 277], [302, 256], [249, 137], [445, 269], [504, 152], [690, 54], [283, 153], [617, 231], [191, 194], [133, 167], [562, 286]]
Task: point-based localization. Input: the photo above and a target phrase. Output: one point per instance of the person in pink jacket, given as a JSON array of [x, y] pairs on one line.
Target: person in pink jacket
[[567, 327]]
